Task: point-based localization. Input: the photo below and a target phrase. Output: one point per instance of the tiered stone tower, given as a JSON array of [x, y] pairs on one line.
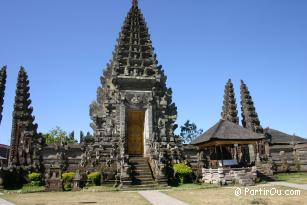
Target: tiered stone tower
[[230, 111], [25, 142], [250, 118], [2, 89], [134, 114]]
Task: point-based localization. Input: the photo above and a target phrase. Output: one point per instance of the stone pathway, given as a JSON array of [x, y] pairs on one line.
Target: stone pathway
[[287, 184], [4, 202], [158, 198]]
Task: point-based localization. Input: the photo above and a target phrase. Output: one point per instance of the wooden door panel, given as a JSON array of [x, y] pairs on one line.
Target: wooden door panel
[[136, 132]]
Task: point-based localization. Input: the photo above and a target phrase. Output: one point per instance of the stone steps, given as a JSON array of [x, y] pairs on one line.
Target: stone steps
[[143, 178], [244, 181], [141, 175], [143, 166]]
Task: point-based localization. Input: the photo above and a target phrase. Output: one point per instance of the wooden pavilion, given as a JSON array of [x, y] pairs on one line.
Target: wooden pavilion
[[229, 144]]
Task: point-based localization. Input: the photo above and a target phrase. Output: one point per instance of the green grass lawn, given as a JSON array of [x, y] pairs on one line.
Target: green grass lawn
[[74, 198], [193, 186], [27, 189], [226, 196], [193, 194], [104, 188], [297, 177], [35, 189]]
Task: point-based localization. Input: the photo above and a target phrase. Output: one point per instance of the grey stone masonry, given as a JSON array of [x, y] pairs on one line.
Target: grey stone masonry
[[2, 88], [25, 141], [133, 80], [230, 111], [250, 118]]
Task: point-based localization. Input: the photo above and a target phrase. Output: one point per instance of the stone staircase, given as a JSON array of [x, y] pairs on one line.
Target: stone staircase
[[141, 174], [244, 179]]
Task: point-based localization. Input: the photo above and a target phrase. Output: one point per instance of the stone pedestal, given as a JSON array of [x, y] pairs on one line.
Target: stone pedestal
[[55, 183], [76, 182]]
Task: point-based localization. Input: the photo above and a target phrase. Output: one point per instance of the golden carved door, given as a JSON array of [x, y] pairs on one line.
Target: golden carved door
[[136, 132]]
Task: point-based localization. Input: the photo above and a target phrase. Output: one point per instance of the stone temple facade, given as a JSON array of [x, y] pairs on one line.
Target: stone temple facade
[[133, 114], [133, 119]]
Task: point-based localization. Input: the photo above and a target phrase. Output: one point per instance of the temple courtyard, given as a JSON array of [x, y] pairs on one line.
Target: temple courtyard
[[193, 197], [134, 152], [186, 194]]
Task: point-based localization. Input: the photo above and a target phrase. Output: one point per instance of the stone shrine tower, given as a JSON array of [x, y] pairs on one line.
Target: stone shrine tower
[[133, 115]]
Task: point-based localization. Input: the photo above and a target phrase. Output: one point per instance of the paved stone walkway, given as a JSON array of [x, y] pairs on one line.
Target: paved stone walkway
[[4, 202], [287, 184], [158, 198]]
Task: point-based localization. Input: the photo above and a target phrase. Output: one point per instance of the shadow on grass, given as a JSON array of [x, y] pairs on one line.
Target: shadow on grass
[[104, 188], [26, 189], [194, 186]]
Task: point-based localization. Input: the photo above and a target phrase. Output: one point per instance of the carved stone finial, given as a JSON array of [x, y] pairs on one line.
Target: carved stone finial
[[230, 112], [2, 88], [250, 118], [134, 3], [24, 134]]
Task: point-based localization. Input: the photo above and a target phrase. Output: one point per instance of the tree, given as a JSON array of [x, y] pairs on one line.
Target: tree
[[189, 132], [57, 135]]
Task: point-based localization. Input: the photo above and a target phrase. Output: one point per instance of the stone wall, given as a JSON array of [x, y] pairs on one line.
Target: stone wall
[[68, 157], [193, 157], [224, 176], [301, 154], [287, 157]]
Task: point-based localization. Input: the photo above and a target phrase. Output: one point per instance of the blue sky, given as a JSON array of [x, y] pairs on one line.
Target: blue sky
[[65, 45]]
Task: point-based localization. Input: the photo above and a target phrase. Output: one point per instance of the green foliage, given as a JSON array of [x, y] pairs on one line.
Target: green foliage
[[189, 132], [68, 176], [95, 178], [32, 189], [58, 135], [35, 176], [183, 172], [36, 183], [67, 180], [67, 186]]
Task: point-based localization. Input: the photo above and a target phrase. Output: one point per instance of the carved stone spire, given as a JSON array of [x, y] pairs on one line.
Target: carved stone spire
[[133, 59], [250, 118], [2, 89], [24, 137], [230, 111], [133, 80], [134, 54], [134, 3]]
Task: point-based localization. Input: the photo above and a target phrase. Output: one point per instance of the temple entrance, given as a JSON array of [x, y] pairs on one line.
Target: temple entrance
[[136, 121]]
